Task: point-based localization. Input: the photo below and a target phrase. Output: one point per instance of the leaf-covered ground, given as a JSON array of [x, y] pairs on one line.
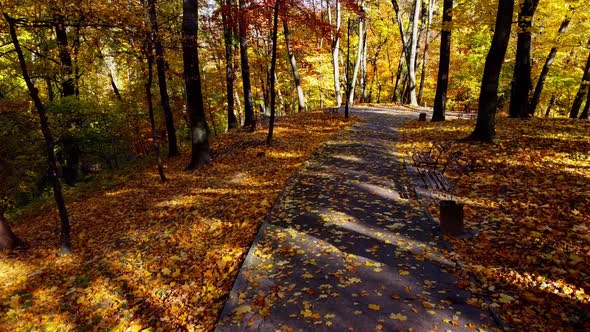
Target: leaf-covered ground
[[347, 248], [153, 255], [531, 202]]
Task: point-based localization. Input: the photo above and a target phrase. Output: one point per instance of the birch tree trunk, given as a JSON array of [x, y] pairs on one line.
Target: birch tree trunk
[[364, 73], [335, 39], [359, 53], [412, 54], [431, 5], [546, 67], [273, 64], [294, 68]]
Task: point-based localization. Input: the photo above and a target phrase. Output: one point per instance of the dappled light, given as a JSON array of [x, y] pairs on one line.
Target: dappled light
[[147, 254], [529, 198]]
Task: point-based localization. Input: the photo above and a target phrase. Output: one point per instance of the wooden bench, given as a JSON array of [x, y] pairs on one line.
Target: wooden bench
[[434, 175], [430, 158], [332, 110]]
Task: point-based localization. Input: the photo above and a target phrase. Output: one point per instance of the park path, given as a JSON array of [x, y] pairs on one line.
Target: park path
[[346, 248]]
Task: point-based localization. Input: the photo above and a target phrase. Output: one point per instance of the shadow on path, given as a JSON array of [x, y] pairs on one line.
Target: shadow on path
[[346, 248]]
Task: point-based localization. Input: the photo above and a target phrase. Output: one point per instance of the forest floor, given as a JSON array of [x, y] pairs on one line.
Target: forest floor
[[530, 201], [155, 255], [165, 256]]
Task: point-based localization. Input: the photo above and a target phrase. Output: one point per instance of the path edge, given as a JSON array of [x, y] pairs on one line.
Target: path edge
[[266, 222]]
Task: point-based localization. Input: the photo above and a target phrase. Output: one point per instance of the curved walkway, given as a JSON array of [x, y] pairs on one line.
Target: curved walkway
[[347, 249]]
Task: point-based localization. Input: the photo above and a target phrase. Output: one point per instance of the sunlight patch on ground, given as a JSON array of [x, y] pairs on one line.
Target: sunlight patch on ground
[[348, 158]]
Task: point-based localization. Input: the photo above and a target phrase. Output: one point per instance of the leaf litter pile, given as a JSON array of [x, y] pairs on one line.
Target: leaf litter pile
[[155, 255], [530, 200]]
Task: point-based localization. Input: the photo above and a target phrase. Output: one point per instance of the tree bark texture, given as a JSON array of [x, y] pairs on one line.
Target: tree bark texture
[[442, 84], [521, 79], [194, 96], [485, 128]]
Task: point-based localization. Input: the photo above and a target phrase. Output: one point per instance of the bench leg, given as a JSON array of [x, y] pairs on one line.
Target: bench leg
[[451, 218]]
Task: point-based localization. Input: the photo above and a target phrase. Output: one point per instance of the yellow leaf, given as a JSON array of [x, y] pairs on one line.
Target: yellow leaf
[[166, 271], [505, 298], [243, 309], [374, 307], [404, 273], [399, 317]]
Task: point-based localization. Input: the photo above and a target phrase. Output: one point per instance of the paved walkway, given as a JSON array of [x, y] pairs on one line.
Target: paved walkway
[[347, 249]]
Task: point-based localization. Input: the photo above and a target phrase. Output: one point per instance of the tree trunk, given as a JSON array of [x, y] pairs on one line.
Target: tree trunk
[[551, 104], [161, 69], [273, 64], [76, 62], [148, 48], [359, 54], [347, 105], [50, 93], [194, 97], [364, 73], [250, 120], [66, 243], [521, 79], [485, 128], [404, 54], [425, 55], [412, 54], [8, 240], [71, 147], [65, 58], [584, 115], [398, 78], [230, 77], [295, 70], [581, 91], [335, 38], [442, 84], [545, 70]]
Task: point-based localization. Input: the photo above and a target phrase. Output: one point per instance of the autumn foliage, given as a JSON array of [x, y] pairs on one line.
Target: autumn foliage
[[529, 199], [155, 255]]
